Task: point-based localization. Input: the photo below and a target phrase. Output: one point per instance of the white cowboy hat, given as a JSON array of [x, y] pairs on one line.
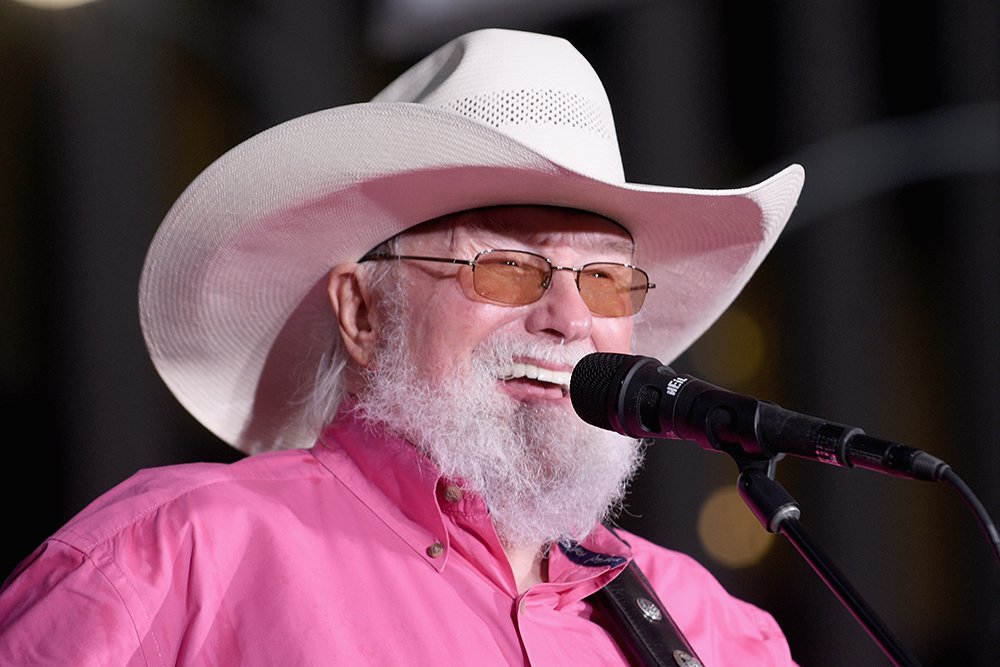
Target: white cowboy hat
[[232, 297]]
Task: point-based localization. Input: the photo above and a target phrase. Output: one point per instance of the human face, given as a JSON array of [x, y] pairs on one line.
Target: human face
[[447, 319], [438, 375]]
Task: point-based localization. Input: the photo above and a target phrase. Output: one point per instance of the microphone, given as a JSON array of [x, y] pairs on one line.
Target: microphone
[[640, 397]]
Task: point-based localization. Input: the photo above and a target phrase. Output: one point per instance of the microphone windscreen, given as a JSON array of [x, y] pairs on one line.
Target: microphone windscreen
[[592, 380]]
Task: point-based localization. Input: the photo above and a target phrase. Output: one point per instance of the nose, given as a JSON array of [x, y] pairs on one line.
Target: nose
[[561, 312]]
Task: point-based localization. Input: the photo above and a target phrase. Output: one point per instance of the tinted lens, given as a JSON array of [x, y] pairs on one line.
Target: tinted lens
[[613, 290], [511, 277]]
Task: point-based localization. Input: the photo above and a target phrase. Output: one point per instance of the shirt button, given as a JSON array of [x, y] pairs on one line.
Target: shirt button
[[452, 493], [435, 550]]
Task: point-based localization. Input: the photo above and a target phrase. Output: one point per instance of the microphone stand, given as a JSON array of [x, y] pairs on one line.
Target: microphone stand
[[779, 513]]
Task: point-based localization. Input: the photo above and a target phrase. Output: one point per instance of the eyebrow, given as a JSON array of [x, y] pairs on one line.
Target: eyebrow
[[490, 227], [617, 246]]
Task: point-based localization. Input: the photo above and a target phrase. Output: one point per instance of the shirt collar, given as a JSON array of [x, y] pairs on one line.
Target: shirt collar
[[390, 476], [405, 489]]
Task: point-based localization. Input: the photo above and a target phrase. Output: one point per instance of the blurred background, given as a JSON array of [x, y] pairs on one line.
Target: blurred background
[[879, 306]]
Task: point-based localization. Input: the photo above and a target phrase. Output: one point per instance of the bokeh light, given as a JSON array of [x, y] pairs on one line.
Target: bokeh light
[[729, 532], [732, 352]]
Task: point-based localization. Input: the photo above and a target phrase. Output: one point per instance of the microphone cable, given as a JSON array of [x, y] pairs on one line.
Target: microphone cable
[[977, 507]]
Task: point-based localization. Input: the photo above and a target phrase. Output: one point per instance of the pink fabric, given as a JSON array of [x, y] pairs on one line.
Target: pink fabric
[[324, 557]]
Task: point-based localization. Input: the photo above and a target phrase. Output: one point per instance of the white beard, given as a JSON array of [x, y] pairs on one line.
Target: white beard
[[544, 474]]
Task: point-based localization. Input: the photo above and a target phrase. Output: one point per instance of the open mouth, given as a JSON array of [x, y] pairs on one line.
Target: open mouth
[[542, 377]]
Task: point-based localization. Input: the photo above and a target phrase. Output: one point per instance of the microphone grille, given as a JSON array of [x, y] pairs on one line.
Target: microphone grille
[[590, 385]]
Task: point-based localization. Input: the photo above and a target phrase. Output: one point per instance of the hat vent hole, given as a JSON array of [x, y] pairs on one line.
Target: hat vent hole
[[545, 107]]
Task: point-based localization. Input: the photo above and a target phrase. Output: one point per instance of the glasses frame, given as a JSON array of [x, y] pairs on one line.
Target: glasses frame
[[545, 285]]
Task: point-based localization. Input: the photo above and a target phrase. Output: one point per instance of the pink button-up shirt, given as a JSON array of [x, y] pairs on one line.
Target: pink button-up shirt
[[355, 552]]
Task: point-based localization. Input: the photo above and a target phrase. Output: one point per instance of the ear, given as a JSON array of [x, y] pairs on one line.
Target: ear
[[351, 305]]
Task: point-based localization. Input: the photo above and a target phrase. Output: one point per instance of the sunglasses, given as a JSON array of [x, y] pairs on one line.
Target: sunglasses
[[518, 277]]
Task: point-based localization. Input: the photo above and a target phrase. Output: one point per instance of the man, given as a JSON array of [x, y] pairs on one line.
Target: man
[[403, 287]]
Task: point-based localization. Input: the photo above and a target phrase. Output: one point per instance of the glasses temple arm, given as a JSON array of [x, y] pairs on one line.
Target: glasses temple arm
[[422, 258]]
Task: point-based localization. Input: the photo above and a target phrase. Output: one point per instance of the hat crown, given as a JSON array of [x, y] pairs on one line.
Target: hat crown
[[535, 88]]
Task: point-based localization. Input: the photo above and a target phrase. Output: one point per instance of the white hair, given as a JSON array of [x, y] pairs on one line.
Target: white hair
[[328, 389]]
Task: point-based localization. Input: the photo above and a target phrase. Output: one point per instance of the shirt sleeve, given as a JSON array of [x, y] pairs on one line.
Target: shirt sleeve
[[58, 608]]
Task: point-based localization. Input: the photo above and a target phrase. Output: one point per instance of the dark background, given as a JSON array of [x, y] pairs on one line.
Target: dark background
[[879, 307]]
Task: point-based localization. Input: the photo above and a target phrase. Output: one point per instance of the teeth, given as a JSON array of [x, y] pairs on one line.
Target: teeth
[[533, 372]]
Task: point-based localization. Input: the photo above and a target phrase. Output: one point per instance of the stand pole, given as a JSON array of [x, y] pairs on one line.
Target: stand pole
[[779, 513]]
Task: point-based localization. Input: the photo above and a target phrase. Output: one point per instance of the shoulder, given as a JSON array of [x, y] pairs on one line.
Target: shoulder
[[661, 564], [145, 551], [176, 493], [681, 576]]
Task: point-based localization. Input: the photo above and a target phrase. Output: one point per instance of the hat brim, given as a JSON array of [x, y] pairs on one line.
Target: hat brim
[[232, 297]]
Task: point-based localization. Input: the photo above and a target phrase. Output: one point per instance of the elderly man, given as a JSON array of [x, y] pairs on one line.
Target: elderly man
[[394, 294]]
